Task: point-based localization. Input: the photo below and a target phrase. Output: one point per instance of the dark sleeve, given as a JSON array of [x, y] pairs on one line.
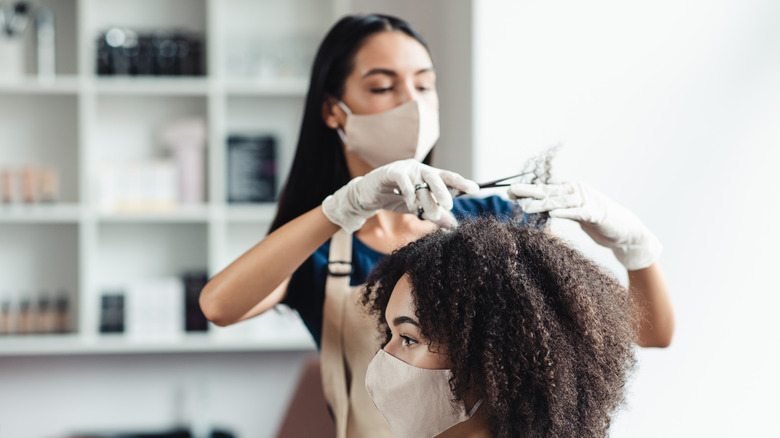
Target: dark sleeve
[[495, 206], [498, 207]]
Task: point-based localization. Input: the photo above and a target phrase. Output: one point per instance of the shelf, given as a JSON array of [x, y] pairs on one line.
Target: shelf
[[79, 120], [33, 85], [95, 242], [176, 214], [294, 87], [40, 213], [73, 213], [155, 86], [59, 345], [151, 86], [250, 212]]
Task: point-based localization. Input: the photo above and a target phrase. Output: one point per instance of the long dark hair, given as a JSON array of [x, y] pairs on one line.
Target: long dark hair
[[320, 167]]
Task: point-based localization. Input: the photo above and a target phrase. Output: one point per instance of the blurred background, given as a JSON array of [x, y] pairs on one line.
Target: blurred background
[[143, 143]]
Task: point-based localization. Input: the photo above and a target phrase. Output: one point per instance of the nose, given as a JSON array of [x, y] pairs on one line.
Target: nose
[[390, 348], [409, 91]]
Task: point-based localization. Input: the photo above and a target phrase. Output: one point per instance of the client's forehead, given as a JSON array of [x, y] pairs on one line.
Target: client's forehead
[[401, 301]]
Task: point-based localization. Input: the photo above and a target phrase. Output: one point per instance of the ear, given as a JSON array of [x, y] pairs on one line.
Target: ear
[[330, 113]]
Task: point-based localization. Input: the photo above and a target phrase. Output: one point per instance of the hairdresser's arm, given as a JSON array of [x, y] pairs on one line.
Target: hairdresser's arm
[[257, 280], [651, 293], [614, 227]]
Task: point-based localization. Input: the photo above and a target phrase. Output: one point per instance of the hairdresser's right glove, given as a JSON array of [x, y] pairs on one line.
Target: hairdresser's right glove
[[406, 186], [606, 222]]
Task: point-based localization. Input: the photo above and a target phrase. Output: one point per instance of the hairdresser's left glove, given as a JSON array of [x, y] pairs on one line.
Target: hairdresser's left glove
[[605, 221]]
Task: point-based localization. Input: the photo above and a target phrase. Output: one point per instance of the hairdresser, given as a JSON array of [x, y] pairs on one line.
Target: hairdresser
[[360, 187]]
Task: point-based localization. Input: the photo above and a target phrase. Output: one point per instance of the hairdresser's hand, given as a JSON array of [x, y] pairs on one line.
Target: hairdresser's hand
[[608, 223], [406, 186]]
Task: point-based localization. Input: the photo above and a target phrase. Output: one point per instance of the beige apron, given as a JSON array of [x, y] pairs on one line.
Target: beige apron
[[350, 339]]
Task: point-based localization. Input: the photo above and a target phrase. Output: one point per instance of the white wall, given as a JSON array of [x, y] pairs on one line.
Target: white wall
[[673, 109]]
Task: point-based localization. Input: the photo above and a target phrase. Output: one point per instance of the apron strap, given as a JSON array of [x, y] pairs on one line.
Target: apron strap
[[334, 368]]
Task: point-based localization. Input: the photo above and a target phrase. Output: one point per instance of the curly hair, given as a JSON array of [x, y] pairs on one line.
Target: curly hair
[[534, 328]]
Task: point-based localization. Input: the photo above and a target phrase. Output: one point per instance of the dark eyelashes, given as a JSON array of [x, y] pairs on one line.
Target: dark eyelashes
[[385, 90], [408, 340]]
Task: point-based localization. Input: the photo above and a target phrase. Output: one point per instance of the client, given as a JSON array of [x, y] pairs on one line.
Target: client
[[498, 330]]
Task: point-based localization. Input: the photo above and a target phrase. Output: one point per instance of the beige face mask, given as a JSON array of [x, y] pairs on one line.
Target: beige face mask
[[407, 131], [415, 402]]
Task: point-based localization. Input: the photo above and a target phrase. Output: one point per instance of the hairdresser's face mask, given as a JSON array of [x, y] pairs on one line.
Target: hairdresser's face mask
[[407, 131], [416, 402]]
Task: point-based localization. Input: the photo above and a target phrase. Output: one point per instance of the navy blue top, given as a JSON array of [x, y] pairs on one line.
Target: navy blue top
[[306, 291]]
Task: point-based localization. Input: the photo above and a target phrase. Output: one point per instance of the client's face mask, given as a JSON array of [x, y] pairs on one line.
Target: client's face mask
[[416, 402], [407, 131]]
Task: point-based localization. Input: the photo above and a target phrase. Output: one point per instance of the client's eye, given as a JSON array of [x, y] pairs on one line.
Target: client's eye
[[406, 341]]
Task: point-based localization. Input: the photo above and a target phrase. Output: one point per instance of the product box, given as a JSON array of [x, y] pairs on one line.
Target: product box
[[112, 312], [194, 319], [154, 309], [251, 169]]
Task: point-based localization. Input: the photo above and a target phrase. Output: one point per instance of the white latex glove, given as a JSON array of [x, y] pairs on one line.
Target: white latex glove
[[363, 197], [606, 222]]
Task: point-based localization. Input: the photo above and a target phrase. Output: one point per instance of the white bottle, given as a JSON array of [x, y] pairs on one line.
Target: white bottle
[[13, 22], [45, 32]]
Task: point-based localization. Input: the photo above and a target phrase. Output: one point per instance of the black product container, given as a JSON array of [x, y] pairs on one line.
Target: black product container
[[112, 313], [194, 319], [251, 171], [156, 53]]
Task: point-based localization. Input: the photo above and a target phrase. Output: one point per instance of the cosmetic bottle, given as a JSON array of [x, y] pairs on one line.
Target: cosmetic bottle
[[45, 32], [186, 139], [25, 316], [45, 319], [62, 317], [29, 185], [12, 42], [6, 186], [7, 322], [194, 319], [49, 185], [112, 312]]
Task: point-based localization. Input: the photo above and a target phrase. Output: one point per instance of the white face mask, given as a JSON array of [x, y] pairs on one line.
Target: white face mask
[[407, 131], [416, 402]]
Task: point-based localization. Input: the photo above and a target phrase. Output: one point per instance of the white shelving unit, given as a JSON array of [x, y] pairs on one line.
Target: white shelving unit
[[78, 119]]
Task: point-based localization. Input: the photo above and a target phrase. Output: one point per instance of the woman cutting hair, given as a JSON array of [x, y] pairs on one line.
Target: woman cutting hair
[[358, 188], [498, 330]]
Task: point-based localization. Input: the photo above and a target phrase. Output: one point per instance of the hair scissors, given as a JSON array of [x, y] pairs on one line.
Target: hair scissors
[[501, 182]]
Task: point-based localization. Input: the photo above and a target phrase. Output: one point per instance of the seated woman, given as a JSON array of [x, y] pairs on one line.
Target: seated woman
[[498, 330]]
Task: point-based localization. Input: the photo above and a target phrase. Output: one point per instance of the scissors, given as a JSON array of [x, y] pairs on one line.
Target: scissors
[[501, 182]]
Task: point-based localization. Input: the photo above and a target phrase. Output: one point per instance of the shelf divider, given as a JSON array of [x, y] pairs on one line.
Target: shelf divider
[[58, 345]]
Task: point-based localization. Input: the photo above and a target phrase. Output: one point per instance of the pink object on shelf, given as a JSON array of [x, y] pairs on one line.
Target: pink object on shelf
[[186, 139]]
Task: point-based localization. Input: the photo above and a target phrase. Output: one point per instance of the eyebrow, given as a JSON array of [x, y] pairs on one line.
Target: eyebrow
[[405, 320], [388, 72]]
